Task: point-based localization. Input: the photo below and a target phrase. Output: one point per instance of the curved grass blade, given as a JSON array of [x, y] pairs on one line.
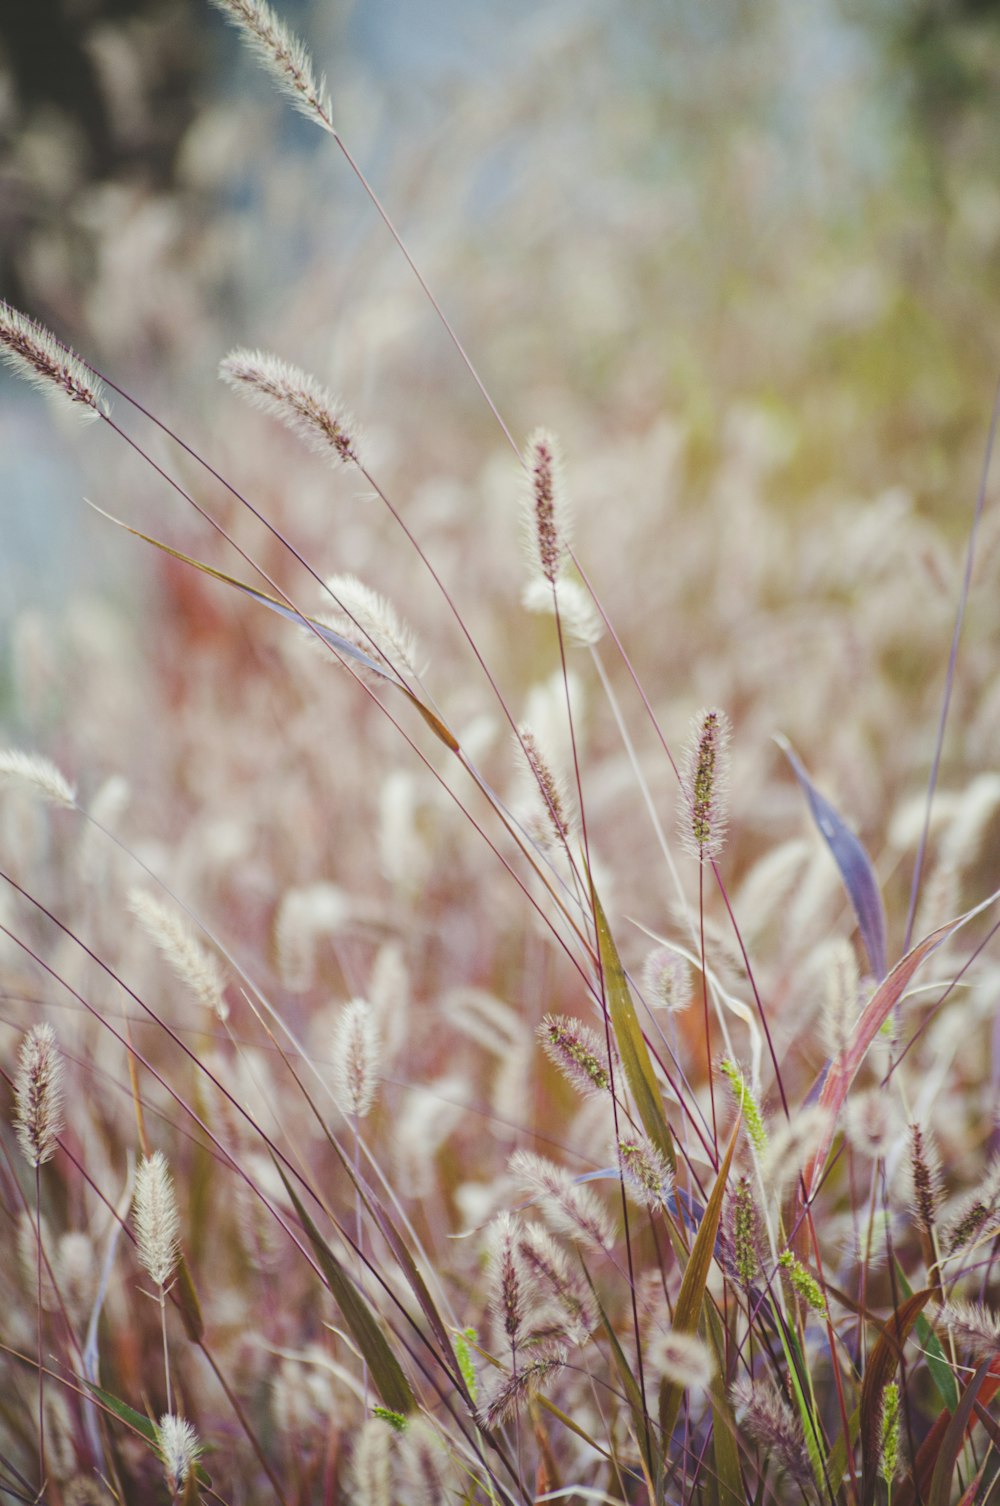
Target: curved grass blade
[[938, 1368], [855, 865], [727, 1484], [644, 1433], [687, 1311], [631, 1045], [916, 1486], [386, 1371], [335, 640], [954, 1439]]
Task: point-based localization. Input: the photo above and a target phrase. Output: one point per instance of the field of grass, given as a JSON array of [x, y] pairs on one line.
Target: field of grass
[[499, 884]]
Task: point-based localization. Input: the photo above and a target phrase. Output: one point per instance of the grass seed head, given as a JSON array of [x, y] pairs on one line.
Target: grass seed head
[[294, 398], [38, 1109], [284, 56], [157, 1222], [31, 351], [704, 810]]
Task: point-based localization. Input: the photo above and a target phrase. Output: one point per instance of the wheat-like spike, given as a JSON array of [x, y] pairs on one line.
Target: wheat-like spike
[[179, 1450], [285, 57], [157, 1223], [32, 772], [34, 353], [356, 1059], [195, 967], [572, 1209], [704, 808], [577, 1051], [38, 1095], [293, 397], [546, 519]]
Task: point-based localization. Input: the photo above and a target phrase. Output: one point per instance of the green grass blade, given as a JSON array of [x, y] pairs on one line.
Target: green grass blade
[[386, 1371], [690, 1299], [631, 1046]]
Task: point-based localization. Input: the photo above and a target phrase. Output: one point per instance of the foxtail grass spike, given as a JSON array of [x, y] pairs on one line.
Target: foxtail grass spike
[[704, 809]]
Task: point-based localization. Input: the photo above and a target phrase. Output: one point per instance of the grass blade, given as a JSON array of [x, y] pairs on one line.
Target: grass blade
[[386, 1371], [631, 1045], [688, 1309]]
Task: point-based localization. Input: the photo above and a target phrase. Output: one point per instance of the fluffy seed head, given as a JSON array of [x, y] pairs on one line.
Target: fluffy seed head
[[546, 784], [293, 397], [569, 1207], [705, 786], [157, 1223], [422, 1465], [356, 1059], [770, 1421], [925, 1174], [791, 1145], [371, 1464], [871, 1124], [978, 1214], [666, 980], [30, 350], [577, 1051], [515, 1391], [550, 1269], [645, 1173], [581, 621], [38, 1095], [509, 1298], [179, 1450], [284, 56], [973, 1326], [31, 772], [546, 522], [682, 1358], [196, 968], [842, 996], [377, 620]]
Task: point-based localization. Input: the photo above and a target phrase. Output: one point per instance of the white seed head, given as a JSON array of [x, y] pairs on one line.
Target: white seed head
[[178, 1447], [356, 1059], [39, 775], [38, 1095], [34, 353], [157, 1223], [294, 398]]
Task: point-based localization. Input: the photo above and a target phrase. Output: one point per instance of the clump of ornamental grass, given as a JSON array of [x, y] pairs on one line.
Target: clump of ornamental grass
[[428, 1270]]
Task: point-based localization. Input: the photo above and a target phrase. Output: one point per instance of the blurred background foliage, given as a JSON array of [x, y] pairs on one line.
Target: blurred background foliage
[[666, 207], [743, 259]]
